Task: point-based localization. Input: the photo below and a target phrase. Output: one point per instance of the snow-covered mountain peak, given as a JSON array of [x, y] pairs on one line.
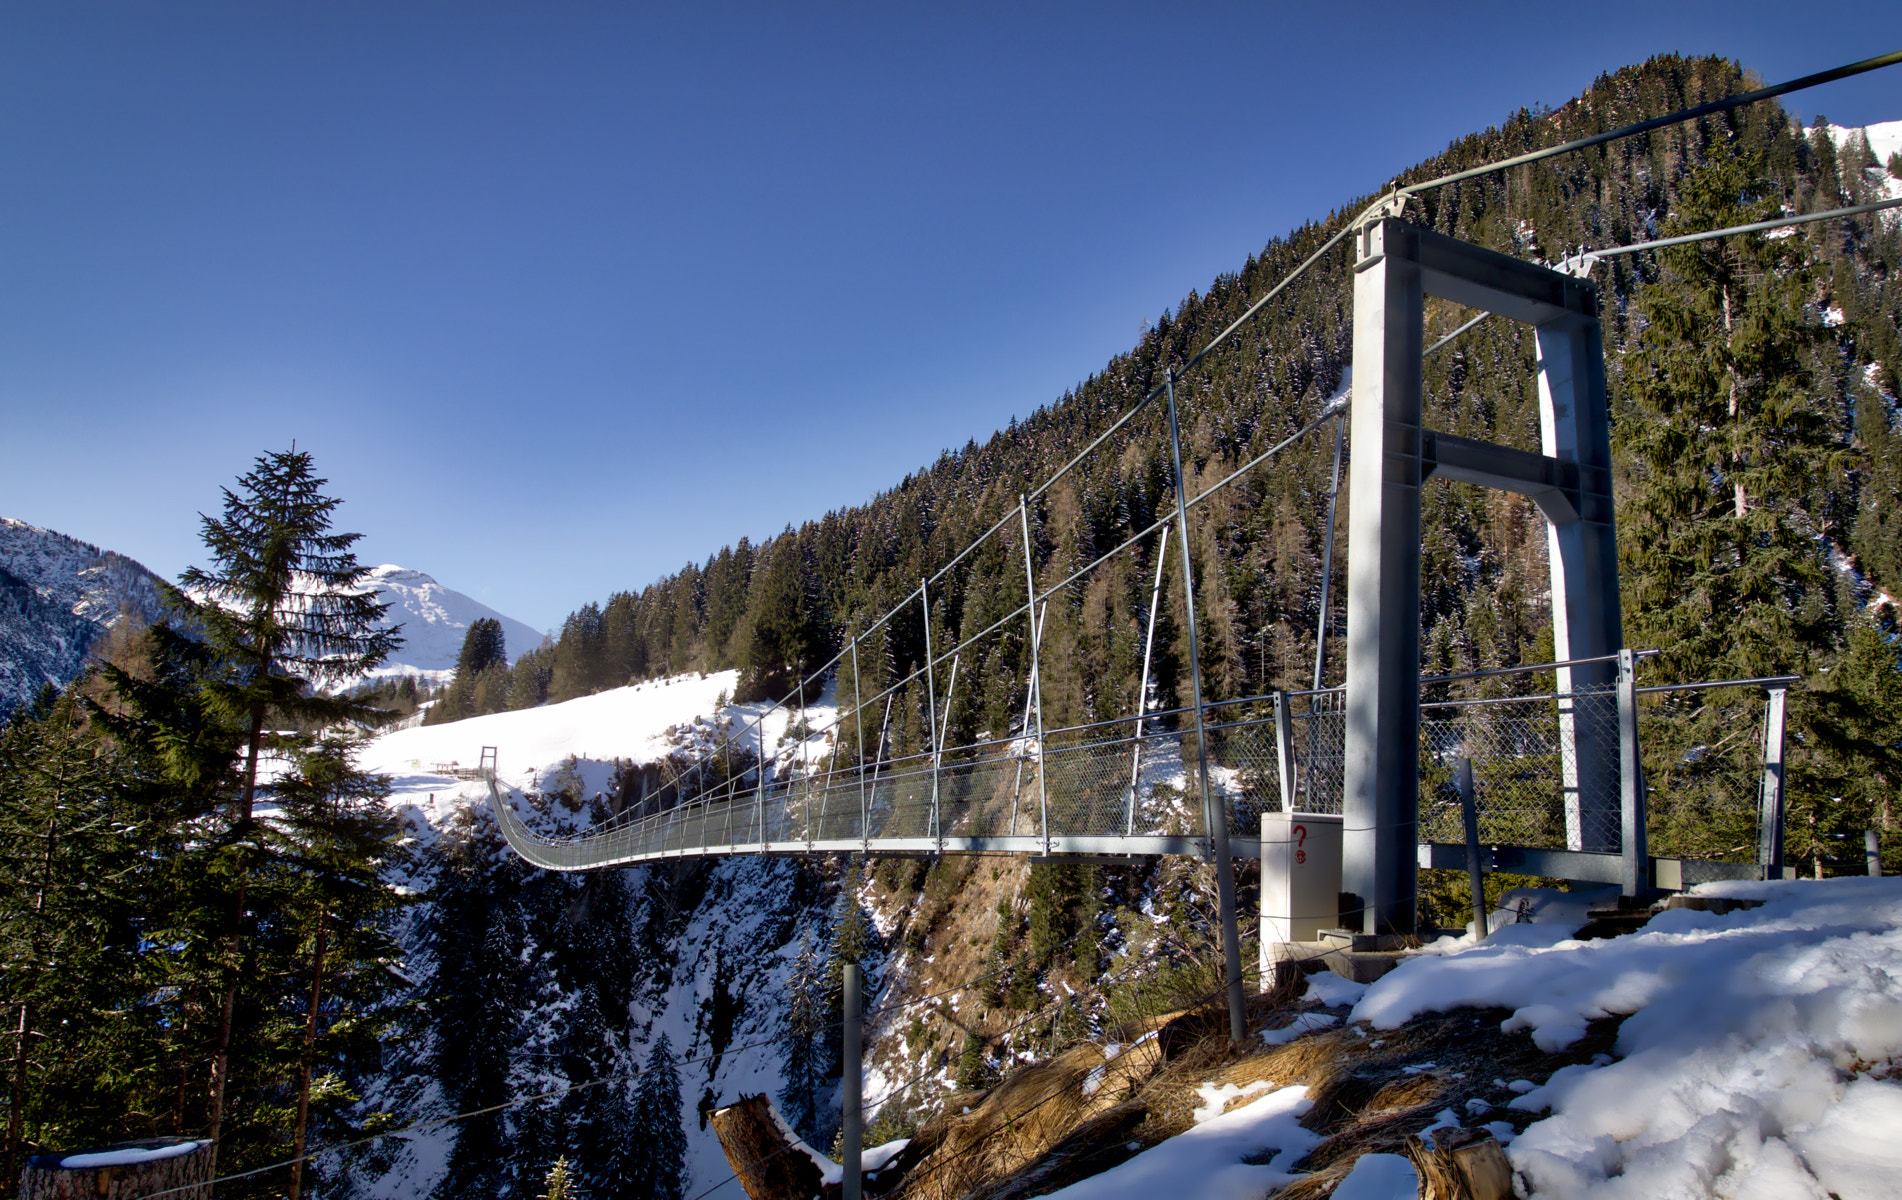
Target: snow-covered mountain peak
[[435, 619]]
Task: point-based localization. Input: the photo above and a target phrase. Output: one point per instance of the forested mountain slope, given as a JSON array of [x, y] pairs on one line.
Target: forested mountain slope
[[1813, 360], [57, 595], [785, 605]]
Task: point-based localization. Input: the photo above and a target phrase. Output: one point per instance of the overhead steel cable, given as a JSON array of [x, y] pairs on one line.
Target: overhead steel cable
[[1676, 118], [1585, 260]]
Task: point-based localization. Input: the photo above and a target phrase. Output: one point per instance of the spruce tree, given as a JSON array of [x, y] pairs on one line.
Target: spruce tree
[[663, 1161], [1728, 446], [283, 611], [483, 647]]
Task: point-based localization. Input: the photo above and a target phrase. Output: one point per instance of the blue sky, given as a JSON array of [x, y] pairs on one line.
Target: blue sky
[[562, 295]]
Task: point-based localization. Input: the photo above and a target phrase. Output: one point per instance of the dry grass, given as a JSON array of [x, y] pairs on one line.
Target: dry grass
[[1372, 1093]]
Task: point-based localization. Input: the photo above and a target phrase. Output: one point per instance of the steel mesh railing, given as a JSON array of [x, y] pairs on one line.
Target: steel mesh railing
[[1546, 775]]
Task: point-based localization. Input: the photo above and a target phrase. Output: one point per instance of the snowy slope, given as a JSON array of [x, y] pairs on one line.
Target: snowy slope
[[1885, 139], [435, 619]]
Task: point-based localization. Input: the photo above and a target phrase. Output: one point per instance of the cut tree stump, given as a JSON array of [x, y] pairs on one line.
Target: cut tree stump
[[762, 1154], [122, 1172], [1461, 1164]]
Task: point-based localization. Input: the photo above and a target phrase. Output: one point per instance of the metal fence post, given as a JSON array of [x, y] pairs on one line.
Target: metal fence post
[[931, 703], [851, 1110], [1327, 555], [1633, 842], [805, 766], [1475, 879], [1770, 833], [1142, 689], [1284, 751], [858, 723], [1215, 819], [1036, 667]]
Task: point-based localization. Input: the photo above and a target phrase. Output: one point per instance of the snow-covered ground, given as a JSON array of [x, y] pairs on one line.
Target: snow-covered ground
[[1760, 1058]]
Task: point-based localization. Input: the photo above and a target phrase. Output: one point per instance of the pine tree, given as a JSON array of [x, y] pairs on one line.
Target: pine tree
[[663, 1140], [283, 612], [73, 931], [1728, 447], [483, 647], [802, 1043]]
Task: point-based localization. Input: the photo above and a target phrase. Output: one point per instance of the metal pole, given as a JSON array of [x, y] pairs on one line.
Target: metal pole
[[944, 731], [1770, 837], [1284, 751], [1215, 819], [858, 723], [850, 1101], [1142, 690], [1469, 810], [759, 794], [1017, 788], [1633, 840], [931, 705], [878, 761], [1327, 555], [805, 766], [1036, 666]]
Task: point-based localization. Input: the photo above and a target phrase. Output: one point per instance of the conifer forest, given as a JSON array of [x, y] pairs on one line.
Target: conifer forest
[[213, 925]]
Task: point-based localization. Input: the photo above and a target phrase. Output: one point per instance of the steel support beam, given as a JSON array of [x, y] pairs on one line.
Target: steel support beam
[[1381, 790], [1397, 266]]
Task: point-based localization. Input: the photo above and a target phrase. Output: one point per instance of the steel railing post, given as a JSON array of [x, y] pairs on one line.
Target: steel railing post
[[858, 724], [931, 703], [1142, 688], [1215, 819], [1284, 751], [1632, 843], [1770, 833], [805, 767], [1475, 879], [1036, 668]]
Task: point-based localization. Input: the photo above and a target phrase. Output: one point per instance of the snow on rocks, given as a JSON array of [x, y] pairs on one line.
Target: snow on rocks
[[1758, 1057], [1206, 1162], [1303, 1024]]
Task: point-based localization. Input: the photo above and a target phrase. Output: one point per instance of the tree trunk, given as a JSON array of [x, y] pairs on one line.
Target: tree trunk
[[303, 1074], [221, 1058], [15, 1121], [122, 1172]]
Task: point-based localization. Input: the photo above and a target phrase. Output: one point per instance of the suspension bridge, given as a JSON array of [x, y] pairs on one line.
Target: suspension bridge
[[1559, 786]]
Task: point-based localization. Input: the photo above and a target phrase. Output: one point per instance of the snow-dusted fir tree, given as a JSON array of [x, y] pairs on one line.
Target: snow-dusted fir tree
[[802, 1044], [660, 1168]]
